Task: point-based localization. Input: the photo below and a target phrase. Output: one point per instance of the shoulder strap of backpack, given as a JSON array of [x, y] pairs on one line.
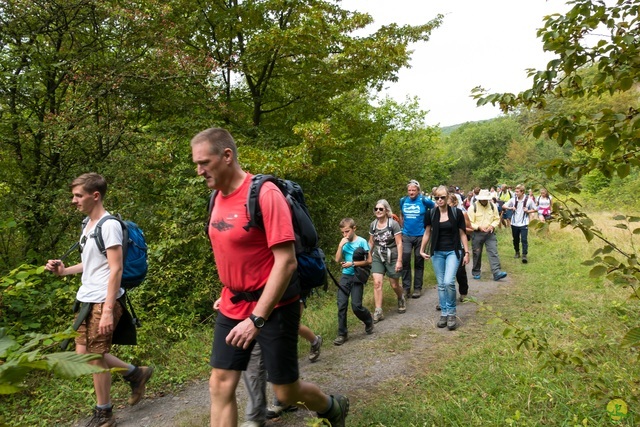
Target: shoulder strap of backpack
[[212, 202], [402, 200], [253, 203], [125, 235]]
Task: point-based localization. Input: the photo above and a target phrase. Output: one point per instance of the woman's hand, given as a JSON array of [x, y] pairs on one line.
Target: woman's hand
[[425, 255], [398, 265], [465, 259]]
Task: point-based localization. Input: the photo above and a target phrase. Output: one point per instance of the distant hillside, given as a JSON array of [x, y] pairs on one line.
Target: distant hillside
[[448, 129]]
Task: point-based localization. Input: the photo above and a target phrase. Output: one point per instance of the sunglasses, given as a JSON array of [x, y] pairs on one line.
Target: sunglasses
[[83, 242], [378, 209], [440, 197]]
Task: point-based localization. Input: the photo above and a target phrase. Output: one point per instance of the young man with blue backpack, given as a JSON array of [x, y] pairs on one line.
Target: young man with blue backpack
[[259, 303], [100, 297], [413, 207]]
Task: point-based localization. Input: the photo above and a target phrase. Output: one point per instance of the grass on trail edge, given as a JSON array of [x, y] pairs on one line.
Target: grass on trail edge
[[565, 374]]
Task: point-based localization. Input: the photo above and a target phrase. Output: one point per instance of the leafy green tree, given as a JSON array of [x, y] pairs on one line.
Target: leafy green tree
[[290, 59], [597, 56], [480, 151]]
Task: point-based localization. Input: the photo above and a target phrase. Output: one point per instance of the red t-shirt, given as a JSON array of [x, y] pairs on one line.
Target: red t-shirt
[[244, 258]]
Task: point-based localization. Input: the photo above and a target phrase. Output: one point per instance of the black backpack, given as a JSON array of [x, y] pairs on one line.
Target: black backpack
[[312, 270]]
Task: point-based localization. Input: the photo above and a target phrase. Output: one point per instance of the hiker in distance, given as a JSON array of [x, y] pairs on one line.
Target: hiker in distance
[[413, 208], [258, 262], [100, 297], [385, 240], [521, 207], [352, 254], [446, 235], [484, 218]]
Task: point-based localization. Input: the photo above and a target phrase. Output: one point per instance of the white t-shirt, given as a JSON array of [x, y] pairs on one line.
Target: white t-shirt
[[95, 268], [520, 218]]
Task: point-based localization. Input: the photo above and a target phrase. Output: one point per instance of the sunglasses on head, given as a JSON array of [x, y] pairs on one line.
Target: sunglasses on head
[[440, 197], [378, 209]]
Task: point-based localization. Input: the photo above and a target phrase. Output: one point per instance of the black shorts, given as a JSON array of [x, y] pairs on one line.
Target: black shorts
[[278, 340]]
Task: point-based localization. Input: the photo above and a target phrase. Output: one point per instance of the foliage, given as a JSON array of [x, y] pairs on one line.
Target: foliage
[[33, 352], [33, 300], [605, 135]]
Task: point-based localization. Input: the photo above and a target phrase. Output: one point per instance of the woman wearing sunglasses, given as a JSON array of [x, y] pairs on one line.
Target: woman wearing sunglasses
[[385, 241], [445, 233]]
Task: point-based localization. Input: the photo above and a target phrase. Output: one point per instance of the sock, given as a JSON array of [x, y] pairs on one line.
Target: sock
[[329, 408], [105, 406], [130, 370], [315, 341]]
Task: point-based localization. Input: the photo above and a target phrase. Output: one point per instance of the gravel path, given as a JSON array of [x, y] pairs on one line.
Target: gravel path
[[400, 347]]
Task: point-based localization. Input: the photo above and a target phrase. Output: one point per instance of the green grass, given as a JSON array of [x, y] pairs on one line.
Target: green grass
[[488, 381]]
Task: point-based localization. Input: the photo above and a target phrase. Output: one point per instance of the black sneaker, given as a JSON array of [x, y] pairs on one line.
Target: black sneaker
[[340, 339], [451, 322], [517, 255], [103, 418], [338, 412], [524, 259], [368, 328], [275, 411], [138, 380]]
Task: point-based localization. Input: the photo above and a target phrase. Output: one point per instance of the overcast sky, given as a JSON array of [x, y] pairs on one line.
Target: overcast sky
[[488, 43]]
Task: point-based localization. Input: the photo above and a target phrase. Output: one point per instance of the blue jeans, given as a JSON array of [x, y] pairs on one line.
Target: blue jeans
[[445, 266]]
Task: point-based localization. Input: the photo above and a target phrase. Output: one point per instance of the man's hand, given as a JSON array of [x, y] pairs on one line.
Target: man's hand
[[242, 335], [55, 266], [106, 322]]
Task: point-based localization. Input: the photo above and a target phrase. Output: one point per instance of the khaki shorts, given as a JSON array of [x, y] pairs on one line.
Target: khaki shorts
[[88, 330], [388, 268]]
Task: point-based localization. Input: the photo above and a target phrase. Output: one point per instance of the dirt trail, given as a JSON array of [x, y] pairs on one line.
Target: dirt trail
[[400, 347]]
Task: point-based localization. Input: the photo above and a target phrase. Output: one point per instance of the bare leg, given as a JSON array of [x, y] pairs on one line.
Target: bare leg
[[222, 388], [102, 380], [307, 393], [377, 289]]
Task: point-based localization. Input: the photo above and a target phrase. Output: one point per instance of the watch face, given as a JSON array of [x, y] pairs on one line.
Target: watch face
[[257, 321]]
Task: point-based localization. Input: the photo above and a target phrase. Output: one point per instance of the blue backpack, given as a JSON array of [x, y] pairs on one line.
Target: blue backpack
[[134, 250], [312, 270]]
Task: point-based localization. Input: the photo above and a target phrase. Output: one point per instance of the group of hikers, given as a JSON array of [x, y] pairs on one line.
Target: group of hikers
[[258, 323]]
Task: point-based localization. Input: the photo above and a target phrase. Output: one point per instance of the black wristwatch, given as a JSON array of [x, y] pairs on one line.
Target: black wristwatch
[[258, 321]]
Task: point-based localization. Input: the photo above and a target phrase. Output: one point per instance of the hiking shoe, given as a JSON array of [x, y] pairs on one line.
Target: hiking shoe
[[500, 275], [407, 293], [451, 322], [438, 307], [314, 353], [340, 339], [517, 255], [462, 297], [338, 412], [368, 328], [476, 276], [102, 418], [402, 304], [442, 322], [524, 259], [138, 380], [378, 315], [253, 424], [275, 411], [416, 293]]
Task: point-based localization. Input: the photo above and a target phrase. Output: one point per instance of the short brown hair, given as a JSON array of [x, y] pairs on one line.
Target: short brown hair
[[347, 222], [91, 182]]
